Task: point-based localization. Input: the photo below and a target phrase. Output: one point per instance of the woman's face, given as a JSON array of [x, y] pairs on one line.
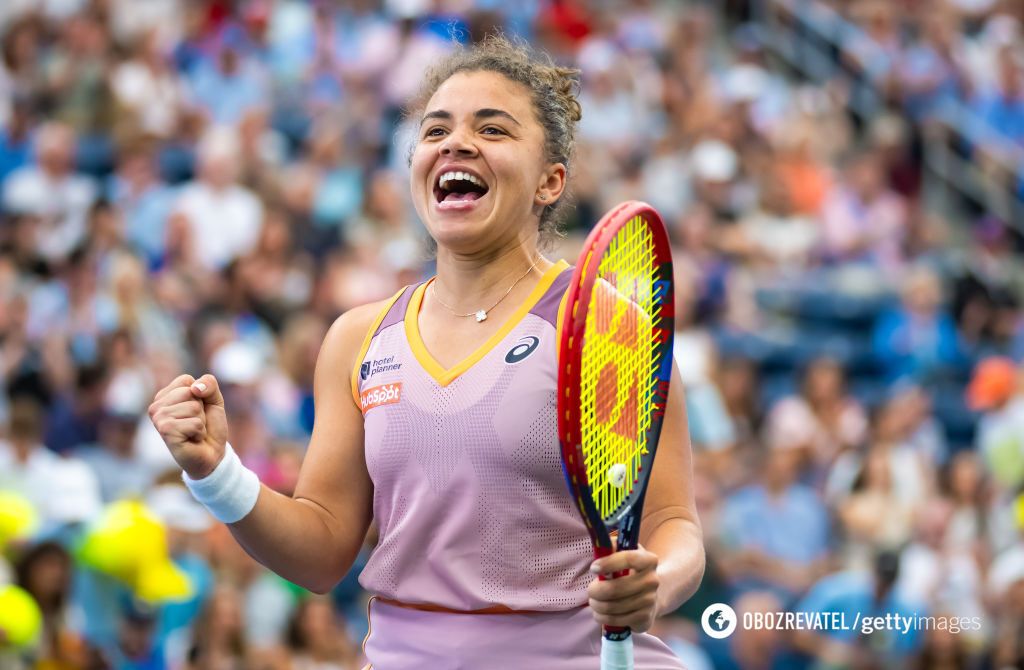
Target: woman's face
[[824, 380], [483, 124]]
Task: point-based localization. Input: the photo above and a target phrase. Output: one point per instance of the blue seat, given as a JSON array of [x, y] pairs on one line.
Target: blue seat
[[869, 391], [294, 123], [176, 163], [774, 387], [959, 422], [95, 155]]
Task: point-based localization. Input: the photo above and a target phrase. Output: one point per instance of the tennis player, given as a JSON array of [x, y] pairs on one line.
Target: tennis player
[[436, 418]]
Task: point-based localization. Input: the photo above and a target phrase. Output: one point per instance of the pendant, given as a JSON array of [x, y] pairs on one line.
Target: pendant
[[480, 316]]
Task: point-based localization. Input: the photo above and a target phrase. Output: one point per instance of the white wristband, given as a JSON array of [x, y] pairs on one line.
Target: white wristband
[[230, 491]]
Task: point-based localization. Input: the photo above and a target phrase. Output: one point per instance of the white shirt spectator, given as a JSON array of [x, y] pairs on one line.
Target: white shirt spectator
[[62, 202], [62, 489], [225, 223], [155, 97]]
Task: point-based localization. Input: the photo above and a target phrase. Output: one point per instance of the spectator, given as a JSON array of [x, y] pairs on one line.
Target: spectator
[[929, 70], [287, 390], [859, 595], [74, 415], [44, 570], [774, 238], [148, 90], [805, 176], [53, 192], [909, 470], [77, 75], [29, 468], [940, 574], [187, 524], [995, 390], [873, 516], [752, 648], [137, 191], [120, 472], [1006, 586], [862, 220], [828, 418], [225, 87], [219, 640], [21, 66], [919, 339], [1002, 106], [222, 219], [315, 640], [774, 533]]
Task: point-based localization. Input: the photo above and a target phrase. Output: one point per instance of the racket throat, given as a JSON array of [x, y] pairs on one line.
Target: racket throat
[[628, 536]]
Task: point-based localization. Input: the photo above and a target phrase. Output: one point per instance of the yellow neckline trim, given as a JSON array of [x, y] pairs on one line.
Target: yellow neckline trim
[[430, 364]]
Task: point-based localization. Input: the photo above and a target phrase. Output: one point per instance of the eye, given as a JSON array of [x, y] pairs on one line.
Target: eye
[[436, 131], [493, 130]]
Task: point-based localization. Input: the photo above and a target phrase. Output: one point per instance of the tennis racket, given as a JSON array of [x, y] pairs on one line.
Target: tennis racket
[[614, 366]]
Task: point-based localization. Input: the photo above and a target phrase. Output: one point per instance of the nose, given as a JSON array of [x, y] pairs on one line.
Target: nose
[[458, 143]]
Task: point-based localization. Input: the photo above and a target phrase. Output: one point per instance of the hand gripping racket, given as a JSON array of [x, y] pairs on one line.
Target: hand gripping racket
[[615, 362]]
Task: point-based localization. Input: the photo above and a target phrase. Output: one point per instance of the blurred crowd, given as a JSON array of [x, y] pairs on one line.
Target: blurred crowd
[[205, 185]]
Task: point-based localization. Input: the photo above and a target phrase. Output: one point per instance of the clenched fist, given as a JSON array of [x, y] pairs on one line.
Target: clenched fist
[[189, 415]]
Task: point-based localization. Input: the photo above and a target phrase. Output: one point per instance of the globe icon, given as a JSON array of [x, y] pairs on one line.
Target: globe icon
[[718, 621]]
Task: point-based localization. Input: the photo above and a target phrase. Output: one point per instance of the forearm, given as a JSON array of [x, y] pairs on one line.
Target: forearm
[[678, 543], [299, 540]]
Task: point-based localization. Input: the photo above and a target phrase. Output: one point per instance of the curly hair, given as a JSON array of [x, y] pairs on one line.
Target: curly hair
[[554, 90]]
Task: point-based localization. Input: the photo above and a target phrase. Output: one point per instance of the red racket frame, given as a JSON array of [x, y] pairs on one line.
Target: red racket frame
[[627, 518]]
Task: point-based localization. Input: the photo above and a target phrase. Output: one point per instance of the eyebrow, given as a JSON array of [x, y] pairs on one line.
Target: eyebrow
[[485, 113]]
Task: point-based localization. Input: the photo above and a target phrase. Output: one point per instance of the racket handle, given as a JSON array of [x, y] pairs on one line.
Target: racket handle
[[617, 654]]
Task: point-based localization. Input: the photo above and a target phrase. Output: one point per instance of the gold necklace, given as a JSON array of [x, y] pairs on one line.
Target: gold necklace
[[481, 314]]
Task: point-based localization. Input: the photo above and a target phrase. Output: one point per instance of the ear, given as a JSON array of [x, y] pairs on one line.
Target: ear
[[551, 185]]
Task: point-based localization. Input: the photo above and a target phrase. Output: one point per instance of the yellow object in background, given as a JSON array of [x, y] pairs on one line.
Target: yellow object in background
[[129, 543], [20, 618], [18, 518]]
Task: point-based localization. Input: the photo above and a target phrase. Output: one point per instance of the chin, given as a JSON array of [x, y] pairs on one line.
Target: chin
[[459, 229]]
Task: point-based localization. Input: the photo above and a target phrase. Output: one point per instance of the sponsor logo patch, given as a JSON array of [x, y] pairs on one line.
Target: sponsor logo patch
[[524, 348], [372, 367], [386, 394]]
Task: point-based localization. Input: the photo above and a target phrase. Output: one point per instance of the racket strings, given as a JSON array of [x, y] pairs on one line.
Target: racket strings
[[618, 366]]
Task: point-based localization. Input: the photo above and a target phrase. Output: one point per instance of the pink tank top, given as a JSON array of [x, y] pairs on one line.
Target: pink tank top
[[469, 495]]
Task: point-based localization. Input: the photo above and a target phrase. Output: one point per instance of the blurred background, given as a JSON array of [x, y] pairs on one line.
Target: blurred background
[[205, 185]]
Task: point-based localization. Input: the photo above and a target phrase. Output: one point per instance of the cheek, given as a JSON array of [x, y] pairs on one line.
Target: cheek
[[418, 167]]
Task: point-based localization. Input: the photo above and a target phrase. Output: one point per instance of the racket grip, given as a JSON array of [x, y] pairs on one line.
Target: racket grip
[[617, 654]]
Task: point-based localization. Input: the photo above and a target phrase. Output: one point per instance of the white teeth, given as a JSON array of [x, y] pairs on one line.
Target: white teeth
[[464, 176]]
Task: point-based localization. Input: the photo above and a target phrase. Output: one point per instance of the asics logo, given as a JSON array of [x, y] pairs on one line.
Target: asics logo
[[526, 346]]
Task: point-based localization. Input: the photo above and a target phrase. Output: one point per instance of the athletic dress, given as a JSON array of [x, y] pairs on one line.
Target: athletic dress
[[483, 561]]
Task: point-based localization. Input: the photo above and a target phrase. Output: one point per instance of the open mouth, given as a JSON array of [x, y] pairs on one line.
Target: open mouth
[[455, 186]]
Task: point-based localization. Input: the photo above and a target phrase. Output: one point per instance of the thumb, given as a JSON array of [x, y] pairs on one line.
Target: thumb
[[207, 389]]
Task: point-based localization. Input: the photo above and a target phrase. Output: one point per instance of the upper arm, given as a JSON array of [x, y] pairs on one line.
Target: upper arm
[[670, 491], [334, 478]]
